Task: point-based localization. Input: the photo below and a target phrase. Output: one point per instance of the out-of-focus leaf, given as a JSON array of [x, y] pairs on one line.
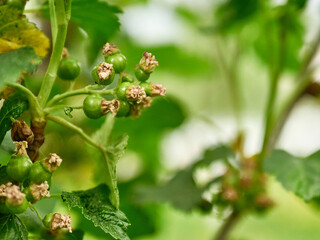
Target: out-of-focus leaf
[[282, 24], [96, 207], [16, 32], [12, 108], [181, 191], [146, 131], [232, 13], [14, 63], [171, 58], [299, 4], [98, 19], [11, 227], [300, 175]]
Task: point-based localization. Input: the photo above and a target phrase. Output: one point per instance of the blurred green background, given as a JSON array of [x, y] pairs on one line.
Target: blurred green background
[[214, 59]]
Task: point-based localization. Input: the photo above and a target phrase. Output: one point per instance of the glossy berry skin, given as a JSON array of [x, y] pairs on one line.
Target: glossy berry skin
[[69, 69], [147, 87], [38, 174], [18, 208], [92, 106], [121, 90], [47, 220], [28, 194], [95, 77], [18, 167], [141, 75], [124, 109], [118, 60]]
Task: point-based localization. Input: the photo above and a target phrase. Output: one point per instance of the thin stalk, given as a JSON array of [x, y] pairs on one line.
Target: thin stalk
[[35, 107], [303, 79], [227, 226], [82, 91], [35, 210], [233, 85], [53, 21], [275, 76], [51, 73], [59, 107], [76, 129]]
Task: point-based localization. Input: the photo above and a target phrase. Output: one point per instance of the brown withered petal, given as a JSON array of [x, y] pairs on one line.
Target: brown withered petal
[[20, 131]]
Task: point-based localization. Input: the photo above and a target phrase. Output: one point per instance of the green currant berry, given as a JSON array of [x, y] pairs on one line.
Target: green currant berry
[[147, 87], [124, 109], [92, 106], [118, 60], [127, 78], [121, 90], [17, 208], [38, 173], [103, 73], [19, 4], [18, 167], [69, 69], [47, 220], [141, 75]]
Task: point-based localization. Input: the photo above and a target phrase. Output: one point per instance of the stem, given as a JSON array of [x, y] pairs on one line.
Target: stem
[[275, 76], [35, 210], [53, 21], [76, 129], [227, 226], [51, 73], [59, 107], [303, 80], [35, 107], [56, 195], [86, 90], [229, 72]]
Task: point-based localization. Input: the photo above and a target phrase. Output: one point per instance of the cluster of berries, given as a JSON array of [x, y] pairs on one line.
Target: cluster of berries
[[28, 183], [132, 95]]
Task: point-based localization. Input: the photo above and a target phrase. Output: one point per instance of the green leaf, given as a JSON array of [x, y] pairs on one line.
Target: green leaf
[[300, 175], [16, 32], [14, 63], [12, 108], [11, 228], [96, 207], [181, 191], [108, 159]]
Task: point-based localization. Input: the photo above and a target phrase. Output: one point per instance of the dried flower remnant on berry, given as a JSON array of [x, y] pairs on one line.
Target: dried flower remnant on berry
[[110, 106], [39, 191], [157, 90], [263, 201], [104, 71], [14, 195], [21, 147], [135, 94], [148, 62], [109, 49], [230, 194], [146, 102], [61, 221], [52, 162], [3, 190]]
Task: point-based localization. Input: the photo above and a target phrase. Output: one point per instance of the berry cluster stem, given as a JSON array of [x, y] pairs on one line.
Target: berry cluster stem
[[59, 41]]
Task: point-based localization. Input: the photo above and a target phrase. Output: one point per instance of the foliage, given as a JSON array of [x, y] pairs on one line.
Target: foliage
[[97, 208], [11, 227]]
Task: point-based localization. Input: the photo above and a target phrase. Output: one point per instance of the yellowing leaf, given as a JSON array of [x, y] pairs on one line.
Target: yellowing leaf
[[16, 32]]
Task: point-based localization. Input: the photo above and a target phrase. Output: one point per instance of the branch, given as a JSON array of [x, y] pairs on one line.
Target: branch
[[82, 91], [227, 226]]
